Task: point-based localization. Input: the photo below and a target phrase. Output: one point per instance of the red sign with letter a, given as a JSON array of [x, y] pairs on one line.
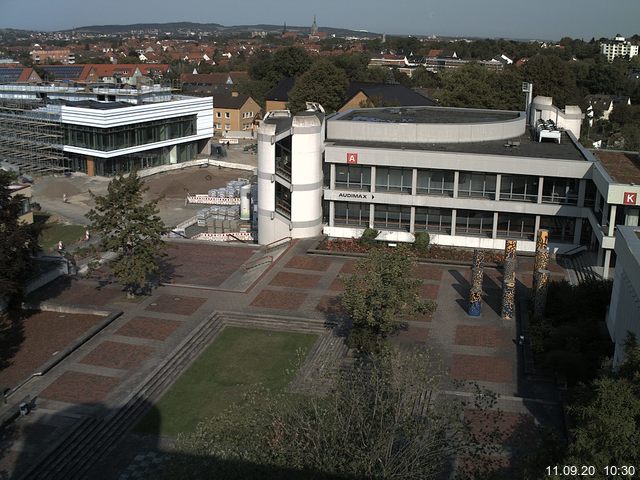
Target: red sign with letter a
[[352, 158], [630, 198]]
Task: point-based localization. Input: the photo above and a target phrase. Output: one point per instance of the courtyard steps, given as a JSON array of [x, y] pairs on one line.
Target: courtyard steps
[[77, 452], [274, 322], [321, 365]]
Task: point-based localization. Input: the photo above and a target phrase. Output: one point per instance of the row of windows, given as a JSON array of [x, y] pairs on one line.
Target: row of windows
[[218, 126], [226, 115], [470, 184], [439, 220], [116, 138]]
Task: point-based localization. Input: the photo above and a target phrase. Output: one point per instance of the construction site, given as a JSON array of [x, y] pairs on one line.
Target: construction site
[[31, 137]]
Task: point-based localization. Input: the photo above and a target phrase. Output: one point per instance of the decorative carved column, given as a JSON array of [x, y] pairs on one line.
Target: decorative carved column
[[508, 300], [541, 261], [475, 292], [509, 280]]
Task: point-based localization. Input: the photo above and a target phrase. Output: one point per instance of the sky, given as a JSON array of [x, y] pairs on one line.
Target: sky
[[531, 19]]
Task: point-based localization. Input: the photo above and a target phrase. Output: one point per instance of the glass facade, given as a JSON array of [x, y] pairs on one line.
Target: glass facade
[[475, 184], [515, 225], [391, 179], [283, 200], [283, 158], [433, 220], [353, 177], [521, 188], [560, 190], [474, 223], [392, 217], [435, 182], [561, 229], [116, 138], [351, 213]]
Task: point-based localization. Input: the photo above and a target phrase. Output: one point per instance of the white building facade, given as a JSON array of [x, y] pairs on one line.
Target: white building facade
[[470, 178], [624, 311], [618, 47]]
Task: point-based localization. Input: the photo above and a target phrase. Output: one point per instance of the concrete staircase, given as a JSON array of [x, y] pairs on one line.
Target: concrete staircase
[[93, 437]]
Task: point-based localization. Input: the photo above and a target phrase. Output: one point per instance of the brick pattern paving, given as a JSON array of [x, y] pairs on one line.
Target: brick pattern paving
[[147, 327], [414, 335], [76, 292], [295, 280], [347, 267], [307, 262], [77, 387], [337, 285], [29, 342], [428, 272], [429, 291], [117, 355], [482, 336], [280, 300], [481, 368], [176, 304], [498, 426], [330, 305], [204, 265]]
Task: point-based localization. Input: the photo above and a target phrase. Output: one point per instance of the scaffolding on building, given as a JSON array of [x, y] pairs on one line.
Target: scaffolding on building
[[31, 137]]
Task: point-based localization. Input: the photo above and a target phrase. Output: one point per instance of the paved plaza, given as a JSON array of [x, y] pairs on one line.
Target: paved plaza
[[209, 286]]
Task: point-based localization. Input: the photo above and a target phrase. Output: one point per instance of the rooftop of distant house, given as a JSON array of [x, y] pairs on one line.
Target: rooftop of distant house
[[622, 167]]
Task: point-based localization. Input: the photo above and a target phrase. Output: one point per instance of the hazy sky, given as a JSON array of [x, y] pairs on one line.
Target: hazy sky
[[539, 19]]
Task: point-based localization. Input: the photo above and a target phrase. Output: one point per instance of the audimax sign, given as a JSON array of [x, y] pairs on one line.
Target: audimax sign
[[360, 196]]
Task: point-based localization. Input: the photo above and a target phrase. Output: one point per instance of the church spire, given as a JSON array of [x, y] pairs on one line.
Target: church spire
[[314, 27]]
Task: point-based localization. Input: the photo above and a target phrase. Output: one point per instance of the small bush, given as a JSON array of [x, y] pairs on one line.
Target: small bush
[[369, 236], [422, 242]]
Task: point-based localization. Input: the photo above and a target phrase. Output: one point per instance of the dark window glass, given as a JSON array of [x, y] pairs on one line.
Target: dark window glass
[[474, 184], [392, 217], [351, 213], [352, 177], [435, 182], [433, 220], [474, 223], [391, 179], [513, 225], [561, 229], [521, 188], [560, 190]]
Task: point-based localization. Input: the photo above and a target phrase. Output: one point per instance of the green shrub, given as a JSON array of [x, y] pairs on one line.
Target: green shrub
[[369, 236], [422, 242]]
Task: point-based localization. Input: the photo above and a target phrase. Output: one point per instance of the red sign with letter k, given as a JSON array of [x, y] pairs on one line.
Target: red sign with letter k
[[630, 198]]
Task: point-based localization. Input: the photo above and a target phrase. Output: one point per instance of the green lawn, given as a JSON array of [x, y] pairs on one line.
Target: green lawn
[[52, 233], [238, 359]]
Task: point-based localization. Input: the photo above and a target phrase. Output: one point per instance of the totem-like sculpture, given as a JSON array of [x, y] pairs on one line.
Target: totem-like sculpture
[[541, 261], [540, 300], [509, 280], [475, 293]]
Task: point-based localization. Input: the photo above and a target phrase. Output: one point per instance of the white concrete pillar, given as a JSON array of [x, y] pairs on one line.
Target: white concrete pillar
[[456, 179], [494, 232], [613, 209], [332, 212], [607, 262], [498, 181], [412, 220], [540, 187], [414, 184], [371, 215], [453, 222], [332, 177], [373, 179]]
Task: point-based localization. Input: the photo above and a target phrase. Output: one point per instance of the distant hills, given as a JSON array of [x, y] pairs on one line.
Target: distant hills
[[185, 27]]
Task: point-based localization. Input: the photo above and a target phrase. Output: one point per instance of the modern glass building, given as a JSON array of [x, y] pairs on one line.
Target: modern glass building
[[469, 177]]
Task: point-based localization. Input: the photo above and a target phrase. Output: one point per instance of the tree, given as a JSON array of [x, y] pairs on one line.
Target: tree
[[291, 61], [323, 83], [379, 294], [607, 417], [551, 77], [381, 420], [132, 229], [18, 244]]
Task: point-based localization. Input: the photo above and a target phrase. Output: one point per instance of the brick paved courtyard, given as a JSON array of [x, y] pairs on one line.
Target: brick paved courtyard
[[110, 366]]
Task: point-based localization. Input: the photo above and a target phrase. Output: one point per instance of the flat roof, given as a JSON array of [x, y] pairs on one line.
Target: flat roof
[[622, 167], [438, 115], [528, 147]]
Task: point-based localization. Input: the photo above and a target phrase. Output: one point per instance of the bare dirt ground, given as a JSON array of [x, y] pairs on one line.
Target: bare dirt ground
[[171, 186]]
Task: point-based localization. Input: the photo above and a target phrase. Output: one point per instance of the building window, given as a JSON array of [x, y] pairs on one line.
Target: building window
[[392, 217], [227, 115], [560, 190], [521, 188], [283, 200], [227, 127], [353, 177], [433, 220], [475, 223], [283, 158], [392, 179], [352, 214], [435, 182], [218, 115], [514, 225], [474, 184], [561, 229], [590, 194], [218, 126]]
